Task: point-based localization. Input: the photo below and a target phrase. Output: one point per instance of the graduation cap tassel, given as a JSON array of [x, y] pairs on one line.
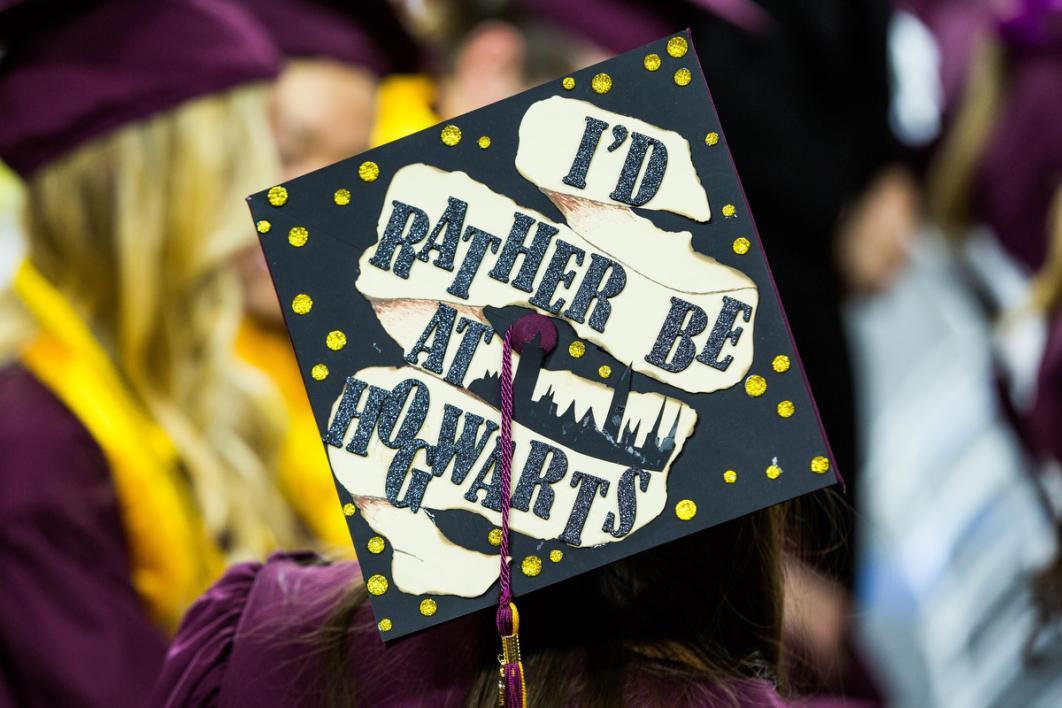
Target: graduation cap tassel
[[512, 688]]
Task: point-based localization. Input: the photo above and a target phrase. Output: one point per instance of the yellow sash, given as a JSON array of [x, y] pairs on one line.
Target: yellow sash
[[304, 476], [172, 559], [403, 106]]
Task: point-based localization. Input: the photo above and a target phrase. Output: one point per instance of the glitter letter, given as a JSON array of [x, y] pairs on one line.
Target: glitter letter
[[654, 171], [628, 503], [723, 330], [530, 478], [442, 324], [466, 449], [492, 499], [481, 240], [474, 331], [348, 411], [400, 469], [514, 246], [576, 177], [392, 238], [556, 274], [392, 408], [453, 220], [673, 330], [589, 487], [588, 292]]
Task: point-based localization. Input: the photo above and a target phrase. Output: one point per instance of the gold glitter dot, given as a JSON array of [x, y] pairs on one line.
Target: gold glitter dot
[[780, 364], [385, 624], [368, 171], [741, 245], [711, 139], [428, 607], [319, 372], [774, 472], [376, 585], [263, 226], [556, 555], [651, 62], [376, 544], [601, 83], [450, 135], [686, 509], [730, 476], [729, 211], [677, 46], [576, 349], [604, 371], [494, 537], [568, 83], [786, 409], [342, 197], [531, 566], [301, 304], [278, 196], [820, 465], [349, 509], [755, 385], [298, 236], [683, 77], [336, 340], [483, 142]]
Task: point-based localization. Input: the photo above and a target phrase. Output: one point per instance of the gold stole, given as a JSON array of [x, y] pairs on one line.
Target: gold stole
[[403, 106], [172, 559], [304, 476]]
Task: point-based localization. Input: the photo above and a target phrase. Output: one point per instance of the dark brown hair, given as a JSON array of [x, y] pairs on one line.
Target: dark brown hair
[[701, 611]]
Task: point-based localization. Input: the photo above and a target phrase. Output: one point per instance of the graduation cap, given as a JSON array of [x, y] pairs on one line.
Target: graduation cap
[[656, 390]]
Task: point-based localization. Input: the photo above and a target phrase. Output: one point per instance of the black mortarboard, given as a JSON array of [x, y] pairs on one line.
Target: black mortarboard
[[661, 396]]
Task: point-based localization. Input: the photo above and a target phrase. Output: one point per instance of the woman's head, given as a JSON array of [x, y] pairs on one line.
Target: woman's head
[[133, 211], [687, 622], [706, 608], [324, 101], [138, 229], [140, 219]]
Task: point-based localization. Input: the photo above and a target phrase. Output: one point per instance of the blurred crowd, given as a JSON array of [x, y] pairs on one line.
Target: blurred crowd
[[903, 161]]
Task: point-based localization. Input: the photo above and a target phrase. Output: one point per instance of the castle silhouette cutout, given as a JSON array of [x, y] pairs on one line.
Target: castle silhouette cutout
[[582, 434]]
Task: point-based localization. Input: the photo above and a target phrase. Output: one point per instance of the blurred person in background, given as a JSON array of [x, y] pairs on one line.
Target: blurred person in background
[[959, 532], [1000, 166], [324, 107], [137, 452]]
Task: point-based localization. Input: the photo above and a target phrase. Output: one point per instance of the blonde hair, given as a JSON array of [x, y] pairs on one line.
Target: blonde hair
[[137, 229], [951, 176]]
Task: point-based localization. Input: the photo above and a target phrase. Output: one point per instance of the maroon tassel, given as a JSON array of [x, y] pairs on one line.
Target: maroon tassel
[[512, 685]]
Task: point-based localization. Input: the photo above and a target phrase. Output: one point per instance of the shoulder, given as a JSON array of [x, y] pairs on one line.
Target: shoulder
[[286, 632], [301, 588], [40, 437], [29, 409], [248, 623]]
